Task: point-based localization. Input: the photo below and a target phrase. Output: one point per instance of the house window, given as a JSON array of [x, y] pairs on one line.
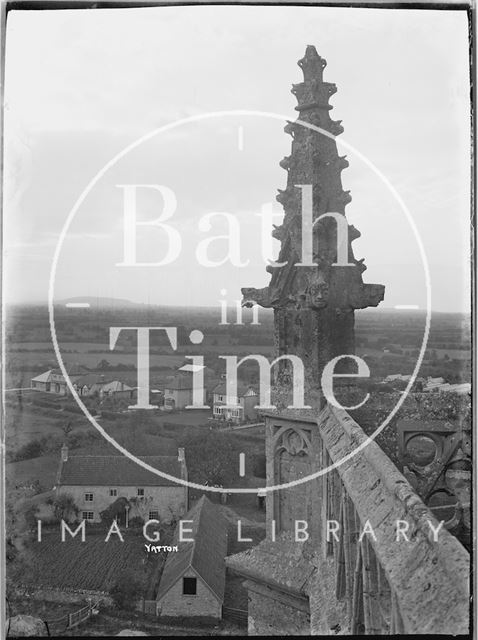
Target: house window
[[113, 492], [88, 497], [141, 492], [87, 515], [154, 515], [189, 586]]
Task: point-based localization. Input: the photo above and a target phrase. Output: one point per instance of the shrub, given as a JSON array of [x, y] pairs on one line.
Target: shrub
[[51, 443], [136, 522], [64, 507], [116, 511], [127, 590], [211, 458], [30, 515], [32, 449]]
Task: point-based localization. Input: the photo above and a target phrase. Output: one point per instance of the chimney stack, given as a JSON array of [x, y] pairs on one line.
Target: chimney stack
[[181, 456], [64, 453]]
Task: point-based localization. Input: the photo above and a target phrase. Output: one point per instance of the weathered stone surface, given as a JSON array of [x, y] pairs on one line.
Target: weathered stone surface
[[346, 585], [429, 579], [278, 574], [265, 612], [313, 305], [284, 564]]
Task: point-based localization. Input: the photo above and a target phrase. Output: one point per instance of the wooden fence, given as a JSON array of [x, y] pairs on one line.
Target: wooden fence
[[70, 620]]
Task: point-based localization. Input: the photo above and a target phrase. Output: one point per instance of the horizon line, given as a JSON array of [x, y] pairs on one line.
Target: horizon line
[[74, 303]]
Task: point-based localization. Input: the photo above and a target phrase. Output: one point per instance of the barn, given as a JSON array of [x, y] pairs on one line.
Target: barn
[[193, 579]]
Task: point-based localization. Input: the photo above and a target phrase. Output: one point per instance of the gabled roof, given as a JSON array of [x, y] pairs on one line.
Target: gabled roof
[[205, 555], [116, 385], [118, 471], [43, 377]]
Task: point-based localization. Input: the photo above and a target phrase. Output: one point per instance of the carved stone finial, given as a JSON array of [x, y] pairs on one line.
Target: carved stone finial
[[312, 64], [314, 304]]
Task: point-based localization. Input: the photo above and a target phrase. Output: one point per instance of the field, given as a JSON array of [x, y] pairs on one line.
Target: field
[[43, 469], [91, 565], [28, 421], [81, 355]]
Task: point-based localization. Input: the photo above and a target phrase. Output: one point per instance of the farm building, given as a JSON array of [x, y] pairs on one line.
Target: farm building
[[193, 579], [234, 406], [96, 482]]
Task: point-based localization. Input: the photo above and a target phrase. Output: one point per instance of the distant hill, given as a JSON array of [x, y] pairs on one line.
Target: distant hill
[[94, 301]]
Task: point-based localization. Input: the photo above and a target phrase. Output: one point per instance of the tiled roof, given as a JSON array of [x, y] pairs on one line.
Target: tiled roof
[[205, 555], [118, 471]]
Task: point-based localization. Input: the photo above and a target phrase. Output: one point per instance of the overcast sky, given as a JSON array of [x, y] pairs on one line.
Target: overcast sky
[[83, 85]]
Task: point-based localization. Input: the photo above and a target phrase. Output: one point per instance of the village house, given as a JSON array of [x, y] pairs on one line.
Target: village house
[[117, 389], [84, 383], [432, 384], [178, 393], [53, 381], [95, 482], [397, 376], [193, 580], [235, 407], [460, 389]]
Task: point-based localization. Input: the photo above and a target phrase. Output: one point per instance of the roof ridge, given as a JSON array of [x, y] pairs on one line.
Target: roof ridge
[[205, 501]]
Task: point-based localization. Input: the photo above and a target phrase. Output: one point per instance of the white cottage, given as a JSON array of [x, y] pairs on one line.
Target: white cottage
[[95, 482]]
